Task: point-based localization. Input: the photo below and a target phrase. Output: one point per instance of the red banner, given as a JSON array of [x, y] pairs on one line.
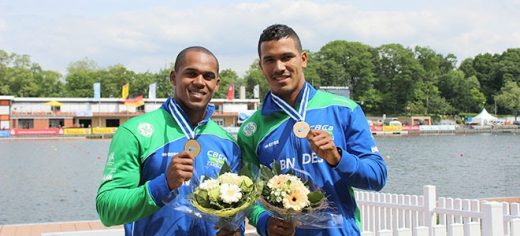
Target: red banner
[[410, 127], [376, 128], [36, 132]]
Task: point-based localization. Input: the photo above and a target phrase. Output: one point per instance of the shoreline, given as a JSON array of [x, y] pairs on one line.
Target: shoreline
[[433, 132]]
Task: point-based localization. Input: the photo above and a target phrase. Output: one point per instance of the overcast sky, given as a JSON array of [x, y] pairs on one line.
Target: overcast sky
[[146, 35]]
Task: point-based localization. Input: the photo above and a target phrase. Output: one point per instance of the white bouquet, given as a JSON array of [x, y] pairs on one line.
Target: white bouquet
[[293, 197], [224, 200]]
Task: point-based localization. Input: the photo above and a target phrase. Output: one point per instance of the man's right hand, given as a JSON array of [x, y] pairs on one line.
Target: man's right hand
[[179, 170], [278, 227]]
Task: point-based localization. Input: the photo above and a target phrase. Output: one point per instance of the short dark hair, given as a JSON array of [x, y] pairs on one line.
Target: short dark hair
[[181, 58], [277, 32]]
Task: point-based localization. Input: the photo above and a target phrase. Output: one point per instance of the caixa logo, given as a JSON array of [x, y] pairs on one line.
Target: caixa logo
[[323, 127]]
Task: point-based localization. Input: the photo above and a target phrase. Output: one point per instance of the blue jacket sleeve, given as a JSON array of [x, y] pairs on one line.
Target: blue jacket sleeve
[[361, 161]]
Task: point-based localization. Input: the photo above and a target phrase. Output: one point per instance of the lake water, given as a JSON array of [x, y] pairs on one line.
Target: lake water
[[57, 180]]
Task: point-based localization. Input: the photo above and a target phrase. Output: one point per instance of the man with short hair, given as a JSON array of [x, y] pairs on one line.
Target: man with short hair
[[300, 127], [153, 156]]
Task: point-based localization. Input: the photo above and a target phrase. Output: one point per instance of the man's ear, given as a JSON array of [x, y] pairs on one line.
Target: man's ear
[[218, 84], [304, 59], [172, 77]]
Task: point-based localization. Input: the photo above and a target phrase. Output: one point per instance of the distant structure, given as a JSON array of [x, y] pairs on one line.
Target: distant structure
[[47, 113], [338, 90]]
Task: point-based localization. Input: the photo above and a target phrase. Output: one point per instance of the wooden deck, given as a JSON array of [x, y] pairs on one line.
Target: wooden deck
[[42, 228], [83, 228]]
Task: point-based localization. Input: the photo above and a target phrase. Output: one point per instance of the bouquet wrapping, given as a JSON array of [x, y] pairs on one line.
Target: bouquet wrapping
[[293, 197], [221, 200]]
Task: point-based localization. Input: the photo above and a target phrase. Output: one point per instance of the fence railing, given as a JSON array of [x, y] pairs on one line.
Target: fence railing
[[385, 214]]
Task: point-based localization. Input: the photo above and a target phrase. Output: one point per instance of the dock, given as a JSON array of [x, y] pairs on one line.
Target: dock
[[89, 228], [73, 228]]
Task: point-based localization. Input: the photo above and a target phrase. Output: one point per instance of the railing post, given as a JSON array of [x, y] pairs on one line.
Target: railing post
[[430, 202], [492, 218]]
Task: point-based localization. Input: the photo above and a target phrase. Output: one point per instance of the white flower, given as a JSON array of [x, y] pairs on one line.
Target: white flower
[[298, 185], [279, 181], [295, 200], [209, 184], [230, 178], [230, 193]]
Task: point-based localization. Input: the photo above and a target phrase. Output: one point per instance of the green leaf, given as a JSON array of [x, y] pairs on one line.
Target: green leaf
[[202, 198], [266, 173], [225, 169], [277, 169], [315, 197]]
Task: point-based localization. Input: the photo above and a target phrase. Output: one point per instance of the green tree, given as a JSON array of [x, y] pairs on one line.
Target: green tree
[[81, 75], [227, 77], [398, 72], [356, 61], [48, 82], [113, 79], [164, 86], [509, 97], [463, 93], [255, 77]]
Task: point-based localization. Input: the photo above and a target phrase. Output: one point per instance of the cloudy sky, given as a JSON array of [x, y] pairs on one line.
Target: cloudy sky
[[146, 35]]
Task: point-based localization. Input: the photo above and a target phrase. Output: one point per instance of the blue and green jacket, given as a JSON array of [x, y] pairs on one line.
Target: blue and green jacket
[[267, 136], [134, 188]]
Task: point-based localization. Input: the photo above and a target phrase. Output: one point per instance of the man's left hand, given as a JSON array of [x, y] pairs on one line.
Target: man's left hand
[[323, 145]]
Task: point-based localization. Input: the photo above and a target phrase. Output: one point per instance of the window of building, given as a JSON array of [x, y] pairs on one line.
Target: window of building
[[56, 123], [26, 123], [55, 108], [219, 121], [112, 123], [85, 123]]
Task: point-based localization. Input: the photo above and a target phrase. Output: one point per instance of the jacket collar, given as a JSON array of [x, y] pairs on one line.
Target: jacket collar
[[210, 109], [269, 106]]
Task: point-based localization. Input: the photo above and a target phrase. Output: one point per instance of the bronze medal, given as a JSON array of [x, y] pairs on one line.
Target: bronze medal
[[192, 147], [301, 129]]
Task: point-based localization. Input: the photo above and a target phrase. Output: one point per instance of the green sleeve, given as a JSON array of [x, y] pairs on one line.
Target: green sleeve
[[120, 198], [250, 161]]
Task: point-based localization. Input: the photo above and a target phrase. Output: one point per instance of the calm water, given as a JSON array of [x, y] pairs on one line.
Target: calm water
[[57, 180]]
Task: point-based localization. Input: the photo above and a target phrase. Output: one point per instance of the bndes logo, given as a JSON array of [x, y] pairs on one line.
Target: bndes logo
[[323, 127]]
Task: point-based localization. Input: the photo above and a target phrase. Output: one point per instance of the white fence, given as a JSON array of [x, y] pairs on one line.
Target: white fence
[[385, 214]]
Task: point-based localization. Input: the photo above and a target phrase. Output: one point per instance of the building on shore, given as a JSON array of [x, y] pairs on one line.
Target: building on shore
[[45, 113]]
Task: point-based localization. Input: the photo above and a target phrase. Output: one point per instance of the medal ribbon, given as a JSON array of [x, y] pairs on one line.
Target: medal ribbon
[[175, 110], [302, 110]]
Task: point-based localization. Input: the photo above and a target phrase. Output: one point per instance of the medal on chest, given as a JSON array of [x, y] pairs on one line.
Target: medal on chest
[[192, 146], [300, 128]]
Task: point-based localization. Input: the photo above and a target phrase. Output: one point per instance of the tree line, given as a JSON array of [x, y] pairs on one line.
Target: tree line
[[389, 79]]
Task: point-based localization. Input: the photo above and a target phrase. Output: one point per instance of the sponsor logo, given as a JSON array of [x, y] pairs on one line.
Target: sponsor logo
[[145, 129], [250, 129], [323, 127], [375, 149], [216, 159], [169, 154], [271, 144]]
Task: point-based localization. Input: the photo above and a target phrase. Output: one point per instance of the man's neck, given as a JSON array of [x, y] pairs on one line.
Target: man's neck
[[292, 98], [194, 116]]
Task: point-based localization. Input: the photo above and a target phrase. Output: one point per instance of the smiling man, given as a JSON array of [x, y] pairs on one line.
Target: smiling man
[[304, 128], [153, 157]]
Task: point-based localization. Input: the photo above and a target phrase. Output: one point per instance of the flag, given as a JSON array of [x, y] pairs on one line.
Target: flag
[[97, 91], [151, 90], [231, 92], [124, 91], [256, 91], [134, 101]]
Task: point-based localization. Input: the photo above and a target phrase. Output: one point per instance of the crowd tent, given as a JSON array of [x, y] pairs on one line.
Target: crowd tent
[[484, 118]]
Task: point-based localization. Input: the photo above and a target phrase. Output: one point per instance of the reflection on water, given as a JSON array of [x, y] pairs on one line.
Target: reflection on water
[[57, 180]]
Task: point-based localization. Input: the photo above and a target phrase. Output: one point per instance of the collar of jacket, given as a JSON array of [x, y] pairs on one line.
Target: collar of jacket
[[270, 107], [210, 109]]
